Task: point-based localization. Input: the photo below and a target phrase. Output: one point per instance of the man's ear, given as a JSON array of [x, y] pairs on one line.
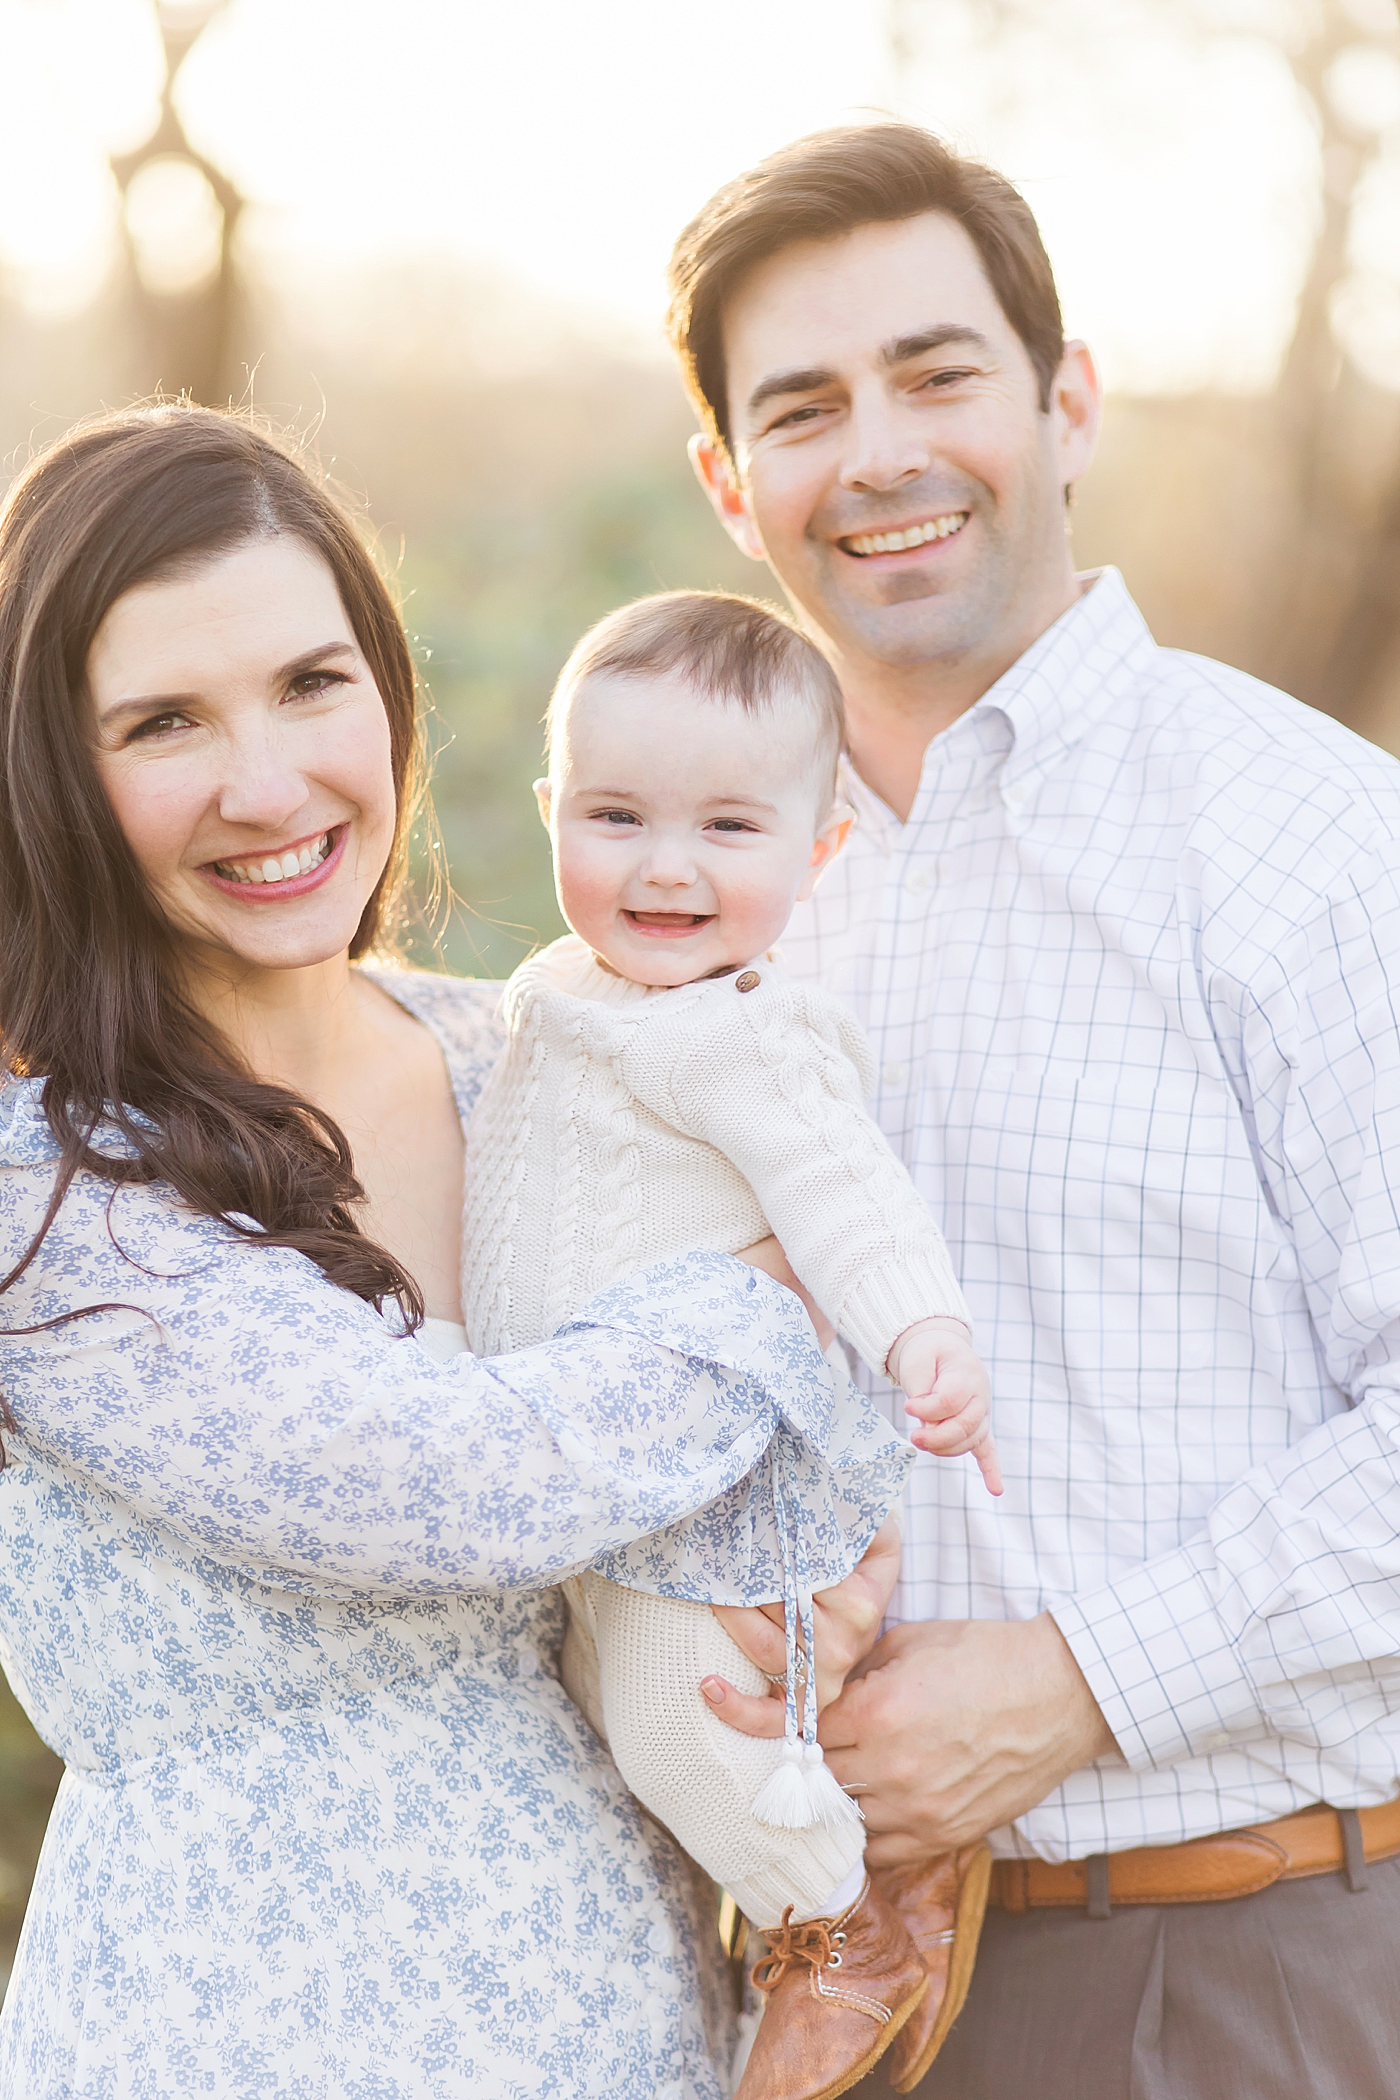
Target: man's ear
[[1076, 404], [717, 478], [543, 797], [829, 841]]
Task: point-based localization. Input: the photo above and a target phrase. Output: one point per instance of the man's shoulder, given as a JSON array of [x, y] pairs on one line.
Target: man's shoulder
[[1263, 766]]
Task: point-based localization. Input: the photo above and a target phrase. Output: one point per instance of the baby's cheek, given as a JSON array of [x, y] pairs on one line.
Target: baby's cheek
[[588, 892]]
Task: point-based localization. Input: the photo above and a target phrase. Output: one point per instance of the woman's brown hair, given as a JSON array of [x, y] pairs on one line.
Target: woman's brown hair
[[90, 990], [829, 184]]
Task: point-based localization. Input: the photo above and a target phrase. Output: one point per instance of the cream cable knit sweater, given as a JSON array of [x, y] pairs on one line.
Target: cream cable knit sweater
[[625, 1123]]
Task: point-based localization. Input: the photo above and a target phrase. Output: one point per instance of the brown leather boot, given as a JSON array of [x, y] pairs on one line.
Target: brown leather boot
[[942, 1902], [839, 1991]]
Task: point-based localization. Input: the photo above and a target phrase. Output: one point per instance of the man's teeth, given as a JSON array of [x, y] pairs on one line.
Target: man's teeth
[[892, 542], [277, 867]]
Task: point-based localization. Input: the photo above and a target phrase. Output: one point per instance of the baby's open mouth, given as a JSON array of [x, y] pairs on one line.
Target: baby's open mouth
[[668, 921], [864, 544]]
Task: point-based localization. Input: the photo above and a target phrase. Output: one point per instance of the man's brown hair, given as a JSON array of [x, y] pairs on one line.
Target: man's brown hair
[[725, 647], [829, 184]]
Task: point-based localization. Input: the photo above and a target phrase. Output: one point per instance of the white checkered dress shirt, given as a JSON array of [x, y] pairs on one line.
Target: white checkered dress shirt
[[1132, 971]]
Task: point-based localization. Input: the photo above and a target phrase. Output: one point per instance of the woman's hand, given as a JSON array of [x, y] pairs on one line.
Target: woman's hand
[[769, 1256], [845, 1621]]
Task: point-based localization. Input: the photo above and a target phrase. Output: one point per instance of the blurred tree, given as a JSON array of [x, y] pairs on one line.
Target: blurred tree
[[179, 214], [1319, 569]]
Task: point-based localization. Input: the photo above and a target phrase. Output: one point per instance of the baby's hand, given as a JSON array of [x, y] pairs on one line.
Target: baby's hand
[[946, 1385]]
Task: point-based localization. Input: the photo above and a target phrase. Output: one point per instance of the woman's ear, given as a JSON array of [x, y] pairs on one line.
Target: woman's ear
[[716, 476], [542, 797], [829, 841]]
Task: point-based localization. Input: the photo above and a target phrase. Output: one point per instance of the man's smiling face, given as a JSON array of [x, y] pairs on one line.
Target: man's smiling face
[[895, 466]]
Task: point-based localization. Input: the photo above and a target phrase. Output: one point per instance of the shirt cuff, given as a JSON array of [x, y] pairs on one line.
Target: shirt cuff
[[1160, 1663], [893, 1297]]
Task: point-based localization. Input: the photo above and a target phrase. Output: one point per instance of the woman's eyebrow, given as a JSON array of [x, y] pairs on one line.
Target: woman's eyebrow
[[120, 710]]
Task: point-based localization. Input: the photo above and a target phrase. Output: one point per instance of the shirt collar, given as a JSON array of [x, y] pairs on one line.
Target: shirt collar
[[1079, 670]]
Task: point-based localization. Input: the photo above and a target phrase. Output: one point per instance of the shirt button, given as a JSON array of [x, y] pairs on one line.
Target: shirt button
[[893, 1075], [917, 881], [1014, 793]]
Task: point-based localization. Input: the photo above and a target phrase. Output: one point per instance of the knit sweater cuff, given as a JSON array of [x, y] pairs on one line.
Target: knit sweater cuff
[[920, 1286]]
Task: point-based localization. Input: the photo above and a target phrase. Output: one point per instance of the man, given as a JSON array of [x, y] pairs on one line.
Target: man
[[1125, 928]]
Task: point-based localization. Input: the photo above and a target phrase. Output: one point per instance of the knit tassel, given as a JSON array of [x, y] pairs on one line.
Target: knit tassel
[[802, 1792]]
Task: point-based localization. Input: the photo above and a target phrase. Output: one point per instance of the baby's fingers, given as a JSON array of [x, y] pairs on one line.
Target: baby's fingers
[[989, 1465]]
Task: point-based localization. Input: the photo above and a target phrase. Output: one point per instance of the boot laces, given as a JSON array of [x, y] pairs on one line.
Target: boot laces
[[792, 1946]]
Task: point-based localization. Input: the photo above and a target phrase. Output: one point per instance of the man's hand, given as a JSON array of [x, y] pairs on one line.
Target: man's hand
[[953, 1728], [845, 1621]]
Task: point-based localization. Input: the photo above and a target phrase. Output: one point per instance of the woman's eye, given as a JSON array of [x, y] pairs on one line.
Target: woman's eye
[[156, 725], [308, 682]]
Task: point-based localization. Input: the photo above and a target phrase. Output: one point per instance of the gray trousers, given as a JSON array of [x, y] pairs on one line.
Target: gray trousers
[[1293, 1994]]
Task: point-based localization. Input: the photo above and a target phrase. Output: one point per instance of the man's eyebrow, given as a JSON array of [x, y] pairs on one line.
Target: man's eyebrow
[[810, 379], [122, 710], [904, 347], [802, 380]]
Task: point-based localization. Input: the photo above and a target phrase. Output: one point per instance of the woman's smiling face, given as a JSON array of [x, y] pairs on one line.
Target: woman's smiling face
[[244, 747]]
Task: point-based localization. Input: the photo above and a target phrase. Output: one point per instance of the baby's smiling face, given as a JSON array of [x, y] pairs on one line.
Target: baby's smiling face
[[684, 827]]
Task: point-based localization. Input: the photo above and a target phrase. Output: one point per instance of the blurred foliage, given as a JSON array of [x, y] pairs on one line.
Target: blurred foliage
[[29, 1773]]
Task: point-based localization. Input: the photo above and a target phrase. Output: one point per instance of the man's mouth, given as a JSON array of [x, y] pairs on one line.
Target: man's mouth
[[864, 544], [286, 866], [672, 922]]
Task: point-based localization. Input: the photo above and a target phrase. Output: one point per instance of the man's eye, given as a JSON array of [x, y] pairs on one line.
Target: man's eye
[[797, 416], [948, 377]]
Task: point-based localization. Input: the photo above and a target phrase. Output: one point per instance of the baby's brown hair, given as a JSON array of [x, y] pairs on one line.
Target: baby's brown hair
[[726, 647]]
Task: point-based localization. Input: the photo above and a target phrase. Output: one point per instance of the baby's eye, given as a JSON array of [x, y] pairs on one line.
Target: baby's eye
[[732, 824], [614, 816]]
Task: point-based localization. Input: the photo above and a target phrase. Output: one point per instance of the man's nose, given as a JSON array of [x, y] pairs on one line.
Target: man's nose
[[883, 448]]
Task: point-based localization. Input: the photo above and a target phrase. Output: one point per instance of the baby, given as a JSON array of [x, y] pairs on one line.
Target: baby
[[667, 1087]]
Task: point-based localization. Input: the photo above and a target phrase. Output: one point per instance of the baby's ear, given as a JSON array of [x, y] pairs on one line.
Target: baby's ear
[[542, 797], [828, 843]]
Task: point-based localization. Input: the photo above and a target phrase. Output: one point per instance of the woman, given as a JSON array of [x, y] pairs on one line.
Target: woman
[[272, 1580]]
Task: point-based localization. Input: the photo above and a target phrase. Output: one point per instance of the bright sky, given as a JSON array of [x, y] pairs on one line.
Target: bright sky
[[564, 145]]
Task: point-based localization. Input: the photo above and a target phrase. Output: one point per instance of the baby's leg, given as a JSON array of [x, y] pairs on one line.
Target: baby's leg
[[696, 1776]]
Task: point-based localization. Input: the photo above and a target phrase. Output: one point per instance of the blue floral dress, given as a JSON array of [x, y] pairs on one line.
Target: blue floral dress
[[278, 1588]]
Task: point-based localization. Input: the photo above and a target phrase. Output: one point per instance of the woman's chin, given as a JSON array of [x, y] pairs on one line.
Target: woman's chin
[[283, 937]]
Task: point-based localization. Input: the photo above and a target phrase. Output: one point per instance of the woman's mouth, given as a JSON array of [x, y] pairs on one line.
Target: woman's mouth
[[664, 923], [289, 872], [922, 534]]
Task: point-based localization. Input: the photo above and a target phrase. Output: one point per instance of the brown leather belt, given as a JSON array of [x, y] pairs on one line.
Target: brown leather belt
[[1206, 1870]]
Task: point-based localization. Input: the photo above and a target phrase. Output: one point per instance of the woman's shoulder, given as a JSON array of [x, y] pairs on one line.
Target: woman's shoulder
[[464, 1013]]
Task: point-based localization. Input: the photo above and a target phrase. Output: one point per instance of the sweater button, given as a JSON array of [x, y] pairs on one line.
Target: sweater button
[[747, 981]]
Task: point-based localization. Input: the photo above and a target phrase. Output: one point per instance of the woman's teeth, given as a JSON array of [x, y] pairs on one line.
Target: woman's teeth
[[277, 867], [915, 536]]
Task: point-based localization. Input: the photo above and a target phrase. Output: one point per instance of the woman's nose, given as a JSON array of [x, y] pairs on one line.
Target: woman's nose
[[260, 786]]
